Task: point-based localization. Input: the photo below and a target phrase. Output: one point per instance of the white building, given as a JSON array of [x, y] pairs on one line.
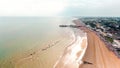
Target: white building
[[116, 43]]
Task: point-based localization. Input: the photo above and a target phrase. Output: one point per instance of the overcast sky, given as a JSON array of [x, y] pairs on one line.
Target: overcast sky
[[59, 7]]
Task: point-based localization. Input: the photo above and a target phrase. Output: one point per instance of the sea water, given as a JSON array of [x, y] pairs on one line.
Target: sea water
[[18, 34]]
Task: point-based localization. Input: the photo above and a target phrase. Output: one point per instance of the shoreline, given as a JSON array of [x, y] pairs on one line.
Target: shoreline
[[73, 54]]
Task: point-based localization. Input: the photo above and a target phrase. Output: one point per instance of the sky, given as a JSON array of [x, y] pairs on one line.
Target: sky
[[59, 8]]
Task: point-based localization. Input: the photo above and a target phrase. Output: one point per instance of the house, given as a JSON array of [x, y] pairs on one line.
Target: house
[[116, 43]]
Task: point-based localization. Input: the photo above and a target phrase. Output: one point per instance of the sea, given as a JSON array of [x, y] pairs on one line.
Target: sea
[[20, 34]]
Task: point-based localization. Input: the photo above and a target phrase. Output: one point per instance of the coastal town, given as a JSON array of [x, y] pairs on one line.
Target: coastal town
[[108, 29]]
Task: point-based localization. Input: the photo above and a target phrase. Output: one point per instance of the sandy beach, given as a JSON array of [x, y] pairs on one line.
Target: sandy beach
[[97, 55]]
